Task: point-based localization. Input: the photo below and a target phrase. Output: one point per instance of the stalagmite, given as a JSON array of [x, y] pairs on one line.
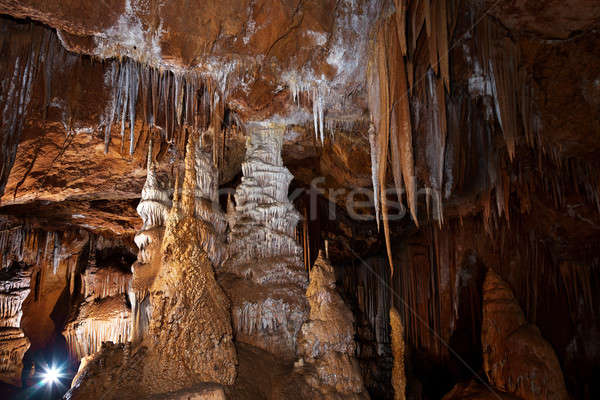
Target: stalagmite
[[153, 209], [326, 341], [516, 358], [264, 276], [398, 376], [189, 311]]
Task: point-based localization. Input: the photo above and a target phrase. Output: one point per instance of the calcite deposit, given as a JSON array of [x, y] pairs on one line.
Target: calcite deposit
[[326, 344], [189, 310], [15, 287], [516, 358], [264, 275], [419, 144]]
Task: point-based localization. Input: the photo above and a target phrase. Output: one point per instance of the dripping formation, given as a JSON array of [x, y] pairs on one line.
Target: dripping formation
[[191, 199]]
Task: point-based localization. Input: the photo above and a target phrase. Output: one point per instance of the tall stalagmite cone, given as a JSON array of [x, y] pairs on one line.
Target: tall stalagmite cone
[[189, 340], [326, 341], [398, 376], [516, 358]]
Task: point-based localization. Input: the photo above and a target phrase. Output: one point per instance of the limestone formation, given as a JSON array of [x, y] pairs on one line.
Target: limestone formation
[[516, 358], [190, 310], [106, 319], [326, 342], [153, 209], [264, 275], [398, 375], [207, 205], [14, 288], [189, 340]]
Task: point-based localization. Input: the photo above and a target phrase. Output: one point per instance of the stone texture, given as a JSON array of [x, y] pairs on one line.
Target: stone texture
[[188, 311], [15, 284], [397, 336], [516, 358], [106, 319], [474, 390], [13, 345], [264, 275], [326, 341]]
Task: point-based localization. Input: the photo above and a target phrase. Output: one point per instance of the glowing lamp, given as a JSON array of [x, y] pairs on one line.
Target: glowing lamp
[[51, 375]]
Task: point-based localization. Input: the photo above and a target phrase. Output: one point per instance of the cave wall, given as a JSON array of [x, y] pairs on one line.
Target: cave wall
[[497, 166]]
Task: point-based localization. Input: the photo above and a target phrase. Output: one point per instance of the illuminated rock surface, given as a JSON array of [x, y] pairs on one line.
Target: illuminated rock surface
[[429, 141], [264, 275], [15, 287], [516, 358], [326, 341], [189, 311]]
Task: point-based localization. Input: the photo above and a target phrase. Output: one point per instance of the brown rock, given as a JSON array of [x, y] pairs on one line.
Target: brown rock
[[13, 345], [190, 338], [474, 390], [516, 358], [326, 340], [397, 336]]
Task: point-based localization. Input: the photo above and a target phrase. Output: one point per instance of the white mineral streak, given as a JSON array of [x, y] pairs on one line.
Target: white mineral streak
[[128, 37], [154, 209], [207, 206], [264, 256]]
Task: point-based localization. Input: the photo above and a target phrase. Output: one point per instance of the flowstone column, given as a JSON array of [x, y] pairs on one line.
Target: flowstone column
[[264, 275]]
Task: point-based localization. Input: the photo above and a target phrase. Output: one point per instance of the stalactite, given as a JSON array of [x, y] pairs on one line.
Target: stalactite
[[106, 320], [169, 101], [20, 65]]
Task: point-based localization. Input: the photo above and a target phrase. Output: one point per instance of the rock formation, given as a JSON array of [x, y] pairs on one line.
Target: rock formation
[[106, 319], [516, 358], [153, 208], [326, 344], [434, 139], [398, 375], [474, 390], [14, 288], [264, 275], [189, 311]]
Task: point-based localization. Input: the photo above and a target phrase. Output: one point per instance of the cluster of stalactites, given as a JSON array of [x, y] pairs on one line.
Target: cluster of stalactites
[[23, 58], [99, 283], [21, 243], [105, 320], [13, 292], [265, 220], [178, 99]]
